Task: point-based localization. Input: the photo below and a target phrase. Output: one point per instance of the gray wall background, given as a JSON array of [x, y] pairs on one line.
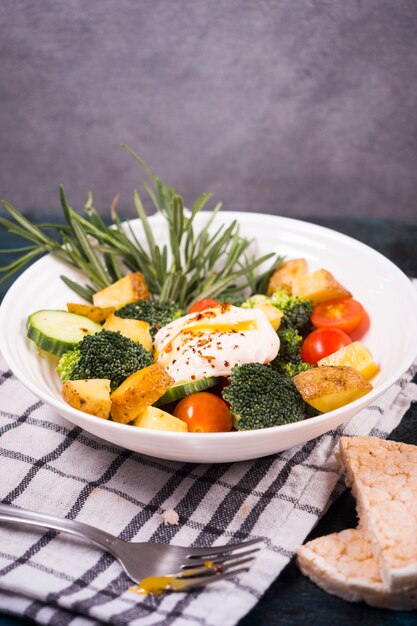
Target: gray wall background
[[294, 107]]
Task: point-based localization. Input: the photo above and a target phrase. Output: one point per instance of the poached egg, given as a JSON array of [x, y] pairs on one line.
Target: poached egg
[[212, 342]]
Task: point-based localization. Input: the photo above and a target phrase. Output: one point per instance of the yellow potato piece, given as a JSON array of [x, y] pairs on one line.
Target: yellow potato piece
[[328, 388], [319, 286], [94, 313], [354, 355], [128, 289], [285, 275], [136, 330], [156, 419], [138, 391], [90, 395], [273, 314]]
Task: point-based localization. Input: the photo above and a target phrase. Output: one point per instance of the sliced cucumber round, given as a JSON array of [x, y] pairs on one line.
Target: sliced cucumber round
[[58, 331], [176, 392]]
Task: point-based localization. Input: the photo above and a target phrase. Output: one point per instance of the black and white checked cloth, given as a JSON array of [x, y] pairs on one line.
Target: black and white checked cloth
[[51, 466]]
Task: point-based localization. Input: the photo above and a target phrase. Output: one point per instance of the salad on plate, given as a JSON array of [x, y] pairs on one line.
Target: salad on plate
[[193, 336]]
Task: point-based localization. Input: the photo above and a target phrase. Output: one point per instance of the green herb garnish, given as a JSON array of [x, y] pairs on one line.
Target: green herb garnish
[[198, 263]]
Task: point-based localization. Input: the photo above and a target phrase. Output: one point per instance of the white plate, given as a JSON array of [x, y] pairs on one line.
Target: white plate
[[378, 284]]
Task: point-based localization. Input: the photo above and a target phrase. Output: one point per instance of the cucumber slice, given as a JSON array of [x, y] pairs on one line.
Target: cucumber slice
[[176, 392], [58, 331]]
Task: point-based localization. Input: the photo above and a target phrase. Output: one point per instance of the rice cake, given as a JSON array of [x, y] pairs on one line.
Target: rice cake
[[344, 565], [383, 477]]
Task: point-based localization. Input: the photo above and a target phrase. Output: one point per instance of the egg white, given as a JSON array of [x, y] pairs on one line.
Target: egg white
[[211, 343]]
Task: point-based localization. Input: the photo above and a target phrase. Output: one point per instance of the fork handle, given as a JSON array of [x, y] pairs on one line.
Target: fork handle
[[71, 527]]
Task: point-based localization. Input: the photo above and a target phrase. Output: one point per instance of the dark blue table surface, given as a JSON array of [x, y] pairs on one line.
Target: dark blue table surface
[[292, 599]]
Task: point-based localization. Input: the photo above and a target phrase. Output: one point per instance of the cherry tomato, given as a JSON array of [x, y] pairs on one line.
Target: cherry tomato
[[363, 328], [322, 342], [343, 313], [203, 304], [204, 413]]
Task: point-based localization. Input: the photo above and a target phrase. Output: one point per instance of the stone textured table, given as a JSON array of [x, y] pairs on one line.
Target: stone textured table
[[292, 599]]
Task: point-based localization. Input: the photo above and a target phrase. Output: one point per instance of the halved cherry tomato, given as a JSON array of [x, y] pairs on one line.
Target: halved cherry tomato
[[363, 327], [343, 313], [322, 342], [203, 304], [204, 413]]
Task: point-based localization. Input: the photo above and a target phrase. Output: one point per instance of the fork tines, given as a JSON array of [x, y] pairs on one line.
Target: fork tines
[[219, 559], [219, 551], [212, 572], [208, 565]]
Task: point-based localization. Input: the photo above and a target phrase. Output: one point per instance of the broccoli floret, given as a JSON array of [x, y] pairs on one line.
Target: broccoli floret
[[235, 299], [290, 345], [296, 311], [292, 369], [105, 354], [289, 361], [67, 363], [261, 397], [157, 314]]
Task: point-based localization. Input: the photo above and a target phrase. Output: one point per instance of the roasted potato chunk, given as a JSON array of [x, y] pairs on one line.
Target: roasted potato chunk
[[95, 313], [128, 289], [354, 355], [90, 395], [138, 391], [285, 274], [136, 330], [319, 286], [157, 419], [273, 314], [328, 388]]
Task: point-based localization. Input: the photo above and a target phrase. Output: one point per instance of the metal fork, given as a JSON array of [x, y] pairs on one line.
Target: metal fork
[[195, 566]]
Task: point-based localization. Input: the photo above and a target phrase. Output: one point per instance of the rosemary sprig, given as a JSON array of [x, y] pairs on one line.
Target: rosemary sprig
[[197, 263]]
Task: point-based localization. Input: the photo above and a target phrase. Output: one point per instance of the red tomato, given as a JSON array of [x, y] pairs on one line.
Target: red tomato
[[343, 313], [203, 304], [204, 413], [322, 342], [363, 328]]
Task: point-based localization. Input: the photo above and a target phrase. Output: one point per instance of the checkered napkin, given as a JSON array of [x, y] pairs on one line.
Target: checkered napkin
[[51, 466]]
